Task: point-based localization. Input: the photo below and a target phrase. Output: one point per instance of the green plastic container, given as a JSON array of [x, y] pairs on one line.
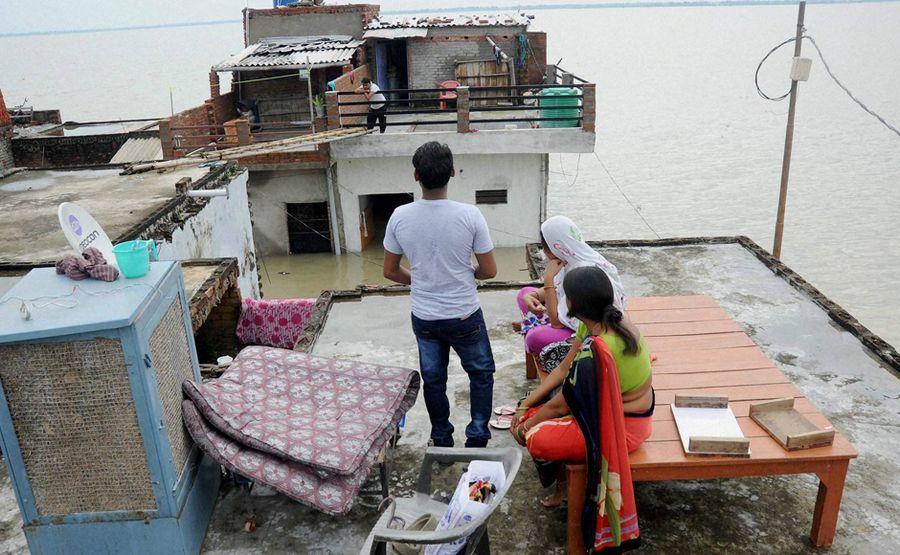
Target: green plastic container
[[564, 104]]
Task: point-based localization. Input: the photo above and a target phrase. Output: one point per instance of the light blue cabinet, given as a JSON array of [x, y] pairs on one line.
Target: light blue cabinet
[[90, 414]]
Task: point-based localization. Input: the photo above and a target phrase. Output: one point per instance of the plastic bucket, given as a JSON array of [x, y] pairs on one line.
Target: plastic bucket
[[133, 257]]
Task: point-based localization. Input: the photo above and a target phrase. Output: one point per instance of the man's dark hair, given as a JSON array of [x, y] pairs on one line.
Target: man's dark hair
[[366, 81], [434, 162]]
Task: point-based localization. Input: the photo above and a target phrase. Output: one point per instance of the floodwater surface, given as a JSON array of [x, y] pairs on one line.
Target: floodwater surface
[[681, 131]]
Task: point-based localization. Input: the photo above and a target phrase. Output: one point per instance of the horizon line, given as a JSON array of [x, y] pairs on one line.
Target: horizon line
[[477, 9]]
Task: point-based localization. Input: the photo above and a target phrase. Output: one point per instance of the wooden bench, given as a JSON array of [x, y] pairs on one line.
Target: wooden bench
[[701, 349]]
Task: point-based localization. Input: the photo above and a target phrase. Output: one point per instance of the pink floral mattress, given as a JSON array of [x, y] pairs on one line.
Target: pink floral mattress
[[306, 415]]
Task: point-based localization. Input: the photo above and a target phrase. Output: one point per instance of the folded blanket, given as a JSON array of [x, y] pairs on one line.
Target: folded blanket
[[332, 494], [327, 414]]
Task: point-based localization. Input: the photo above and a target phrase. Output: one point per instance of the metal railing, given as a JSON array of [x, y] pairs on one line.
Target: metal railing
[[508, 104]]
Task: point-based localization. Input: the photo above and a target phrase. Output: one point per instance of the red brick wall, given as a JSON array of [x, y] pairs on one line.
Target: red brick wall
[[534, 71], [4, 113], [348, 82], [222, 108], [304, 157]]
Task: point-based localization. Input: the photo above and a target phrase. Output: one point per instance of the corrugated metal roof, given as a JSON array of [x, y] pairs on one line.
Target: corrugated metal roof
[[293, 53], [490, 20], [139, 149]]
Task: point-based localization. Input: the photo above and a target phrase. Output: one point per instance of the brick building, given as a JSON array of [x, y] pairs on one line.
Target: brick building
[[6, 134]]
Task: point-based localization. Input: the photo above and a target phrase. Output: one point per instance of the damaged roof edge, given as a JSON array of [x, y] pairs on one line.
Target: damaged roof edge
[[211, 180], [880, 348]]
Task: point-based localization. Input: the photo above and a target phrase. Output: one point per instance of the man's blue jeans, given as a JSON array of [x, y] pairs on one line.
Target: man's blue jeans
[[469, 338]]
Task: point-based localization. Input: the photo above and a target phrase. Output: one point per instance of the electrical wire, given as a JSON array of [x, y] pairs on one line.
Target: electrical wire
[[846, 90], [628, 200], [759, 90], [830, 74]]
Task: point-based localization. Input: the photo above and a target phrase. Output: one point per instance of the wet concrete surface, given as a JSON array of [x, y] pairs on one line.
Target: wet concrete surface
[[754, 515], [29, 228]]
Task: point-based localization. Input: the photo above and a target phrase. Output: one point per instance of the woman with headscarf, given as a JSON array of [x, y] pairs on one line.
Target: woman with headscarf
[[545, 318]]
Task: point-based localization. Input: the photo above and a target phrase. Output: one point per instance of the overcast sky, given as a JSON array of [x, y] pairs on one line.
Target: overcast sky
[[25, 16]]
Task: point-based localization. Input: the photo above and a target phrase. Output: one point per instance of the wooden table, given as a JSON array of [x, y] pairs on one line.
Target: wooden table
[[701, 349]]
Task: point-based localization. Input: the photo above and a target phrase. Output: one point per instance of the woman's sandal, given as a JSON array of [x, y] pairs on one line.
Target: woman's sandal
[[555, 499], [505, 410]]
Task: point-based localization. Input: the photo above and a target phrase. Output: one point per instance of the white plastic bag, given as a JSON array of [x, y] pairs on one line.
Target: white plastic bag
[[461, 510]]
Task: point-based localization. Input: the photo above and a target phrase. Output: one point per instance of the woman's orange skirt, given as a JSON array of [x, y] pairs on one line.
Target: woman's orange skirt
[[560, 439]]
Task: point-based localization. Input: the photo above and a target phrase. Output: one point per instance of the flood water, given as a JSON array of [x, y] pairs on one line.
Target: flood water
[[680, 129]]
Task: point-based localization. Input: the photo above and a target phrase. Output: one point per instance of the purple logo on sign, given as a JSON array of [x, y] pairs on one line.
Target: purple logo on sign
[[75, 225]]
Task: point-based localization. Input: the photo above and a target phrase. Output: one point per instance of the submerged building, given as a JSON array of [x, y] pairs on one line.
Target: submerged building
[[479, 83]]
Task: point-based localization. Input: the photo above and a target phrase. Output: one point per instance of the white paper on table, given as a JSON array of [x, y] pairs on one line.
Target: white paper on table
[[705, 422]]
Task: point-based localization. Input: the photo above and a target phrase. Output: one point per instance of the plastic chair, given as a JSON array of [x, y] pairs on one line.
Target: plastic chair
[[449, 93], [411, 508]]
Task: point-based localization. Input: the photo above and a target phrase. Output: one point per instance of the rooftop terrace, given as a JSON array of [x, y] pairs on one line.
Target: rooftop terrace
[[29, 229], [853, 385]]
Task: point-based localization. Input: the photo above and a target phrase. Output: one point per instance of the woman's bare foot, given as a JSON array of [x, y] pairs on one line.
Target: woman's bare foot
[[556, 498]]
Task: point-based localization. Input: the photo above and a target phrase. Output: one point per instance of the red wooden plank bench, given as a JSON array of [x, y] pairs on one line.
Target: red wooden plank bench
[[700, 349]]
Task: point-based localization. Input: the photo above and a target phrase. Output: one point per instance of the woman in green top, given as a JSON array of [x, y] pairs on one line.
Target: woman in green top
[[589, 295]]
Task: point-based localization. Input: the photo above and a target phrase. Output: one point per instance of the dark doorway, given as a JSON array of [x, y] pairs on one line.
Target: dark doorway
[[391, 67], [308, 227], [375, 211]]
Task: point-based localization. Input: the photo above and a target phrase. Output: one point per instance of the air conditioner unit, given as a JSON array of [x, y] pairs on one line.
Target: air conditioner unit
[[90, 414]]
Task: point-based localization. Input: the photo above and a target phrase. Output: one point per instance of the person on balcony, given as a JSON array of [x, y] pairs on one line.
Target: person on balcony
[[439, 237], [377, 104]]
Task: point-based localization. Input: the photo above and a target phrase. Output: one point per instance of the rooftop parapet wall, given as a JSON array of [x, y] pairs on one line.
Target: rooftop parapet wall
[[301, 21]]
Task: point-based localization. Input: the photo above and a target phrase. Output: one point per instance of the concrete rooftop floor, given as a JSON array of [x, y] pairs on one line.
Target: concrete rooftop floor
[[852, 388], [29, 228]]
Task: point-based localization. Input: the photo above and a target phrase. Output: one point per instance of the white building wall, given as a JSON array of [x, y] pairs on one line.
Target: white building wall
[[270, 193], [221, 229], [513, 224]]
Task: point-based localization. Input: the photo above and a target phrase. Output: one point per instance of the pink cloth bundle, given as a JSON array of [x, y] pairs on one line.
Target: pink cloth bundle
[[90, 264]]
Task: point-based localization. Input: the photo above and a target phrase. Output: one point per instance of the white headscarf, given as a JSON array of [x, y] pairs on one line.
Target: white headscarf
[[565, 242]]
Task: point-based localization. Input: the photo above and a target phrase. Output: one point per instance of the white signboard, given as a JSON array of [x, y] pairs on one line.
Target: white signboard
[[83, 231]]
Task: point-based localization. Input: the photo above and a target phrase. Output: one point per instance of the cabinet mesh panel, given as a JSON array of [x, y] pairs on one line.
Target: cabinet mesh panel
[[172, 361], [74, 417]]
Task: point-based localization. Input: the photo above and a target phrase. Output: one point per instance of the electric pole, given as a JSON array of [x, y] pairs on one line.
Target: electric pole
[[788, 141]]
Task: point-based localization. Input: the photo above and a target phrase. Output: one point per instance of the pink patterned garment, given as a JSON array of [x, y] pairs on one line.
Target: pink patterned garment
[[274, 322], [310, 427]]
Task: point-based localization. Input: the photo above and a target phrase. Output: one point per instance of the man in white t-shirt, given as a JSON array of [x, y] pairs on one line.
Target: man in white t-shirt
[[439, 237], [377, 106]]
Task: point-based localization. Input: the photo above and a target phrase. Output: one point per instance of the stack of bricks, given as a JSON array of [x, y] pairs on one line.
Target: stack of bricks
[[6, 134]]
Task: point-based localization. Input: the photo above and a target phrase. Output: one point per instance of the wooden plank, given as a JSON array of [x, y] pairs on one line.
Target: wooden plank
[[673, 302], [725, 446], [663, 412], [701, 401], [678, 315], [699, 342], [664, 329], [663, 381], [735, 393], [739, 358], [787, 426], [763, 449], [667, 430]]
